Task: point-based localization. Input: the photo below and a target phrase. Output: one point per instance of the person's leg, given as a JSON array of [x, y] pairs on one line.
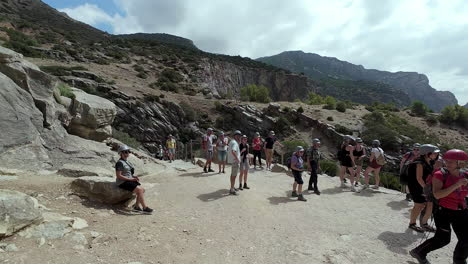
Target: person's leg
[[259, 158], [246, 172], [342, 175], [415, 212], [351, 175], [139, 191], [241, 177], [377, 176], [357, 175], [460, 227], [427, 214], [366, 175], [234, 171]]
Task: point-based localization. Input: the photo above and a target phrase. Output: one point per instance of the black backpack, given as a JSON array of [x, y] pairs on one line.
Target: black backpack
[[288, 163], [404, 170]]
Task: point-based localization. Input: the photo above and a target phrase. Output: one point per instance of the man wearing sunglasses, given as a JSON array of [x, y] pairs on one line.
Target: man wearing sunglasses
[[124, 171]]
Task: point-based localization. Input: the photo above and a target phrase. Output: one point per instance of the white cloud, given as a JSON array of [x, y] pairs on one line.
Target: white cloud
[[427, 36]]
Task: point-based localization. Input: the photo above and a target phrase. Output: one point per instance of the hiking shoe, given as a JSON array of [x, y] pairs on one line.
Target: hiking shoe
[[246, 187], [210, 170], [223, 171], [204, 170], [416, 228], [352, 188], [344, 180], [240, 187], [232, 192], [356, 184], [375, 187], [294, 194], [343, 185], [301, 198], [317, 192], [428, 228], [137, 209], [310, 188], [365, 186], [147, 210], [408, 197], [421, 259]]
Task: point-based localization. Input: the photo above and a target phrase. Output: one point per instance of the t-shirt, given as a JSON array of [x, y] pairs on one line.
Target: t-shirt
[[412, 168], [257, 143], [171, 143], [233, 146], [126, 168], [297, 161], [456, 199], [209, 141], [244, 154], [222, 144], [377, 152], [314, 154], [270, 141]]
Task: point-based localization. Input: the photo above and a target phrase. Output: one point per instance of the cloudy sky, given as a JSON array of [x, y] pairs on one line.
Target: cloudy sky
[[427, 36]]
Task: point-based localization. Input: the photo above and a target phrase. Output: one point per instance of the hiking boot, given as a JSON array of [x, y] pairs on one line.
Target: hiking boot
[[375, 187], [246, 187], [301, 198], [294, 194], [421, 259], [137, 209], [426, 227], [310, 188], [416, 228], [233, 192], [408, 197], [204, 170], [345, 181], [147, 210], [317, 192], [210, 170], [223, 171], [356, 184], [240, 187]]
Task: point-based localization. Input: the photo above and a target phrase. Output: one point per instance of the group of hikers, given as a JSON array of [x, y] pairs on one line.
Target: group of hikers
[[436, 183]]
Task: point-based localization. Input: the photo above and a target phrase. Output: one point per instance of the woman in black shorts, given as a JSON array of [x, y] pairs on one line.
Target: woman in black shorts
[[125, 179], [418, 172], [347, 161]]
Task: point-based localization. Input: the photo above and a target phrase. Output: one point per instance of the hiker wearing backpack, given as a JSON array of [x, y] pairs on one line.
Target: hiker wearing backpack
[[450, 187], [377, 160], [297, 167], [346, 158], [405, 161], [359, 154], [418, 173], [313, 160]]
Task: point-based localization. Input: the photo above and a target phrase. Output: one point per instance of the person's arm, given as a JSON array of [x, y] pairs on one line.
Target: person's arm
[[119, 176], [308, 161], [419, 175], [351, 155], [364, 154], [293, 166], [403, 160], [372, 156], [439, 193]]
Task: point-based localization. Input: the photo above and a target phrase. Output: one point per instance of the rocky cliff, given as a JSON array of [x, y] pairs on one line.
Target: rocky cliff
[[318, 67]]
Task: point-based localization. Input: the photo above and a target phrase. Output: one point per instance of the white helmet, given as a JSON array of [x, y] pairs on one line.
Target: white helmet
[[123, 148]]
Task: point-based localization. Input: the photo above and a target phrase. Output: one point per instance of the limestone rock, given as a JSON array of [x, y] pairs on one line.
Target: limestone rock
[[93, 116], [18, 211], [79, 170], [101, 189], [279, 168]]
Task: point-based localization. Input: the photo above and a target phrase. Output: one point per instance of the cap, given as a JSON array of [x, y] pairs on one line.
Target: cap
[[237, 132], [244, 136]]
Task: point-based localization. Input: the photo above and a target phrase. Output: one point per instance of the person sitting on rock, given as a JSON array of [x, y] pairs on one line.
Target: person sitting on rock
[[125, 179]]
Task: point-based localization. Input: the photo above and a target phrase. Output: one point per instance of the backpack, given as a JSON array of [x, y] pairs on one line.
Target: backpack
[[381, 159], [404, 170], [288, 163]]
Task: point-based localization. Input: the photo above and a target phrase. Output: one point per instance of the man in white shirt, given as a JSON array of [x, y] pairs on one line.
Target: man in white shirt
[[234, 153]]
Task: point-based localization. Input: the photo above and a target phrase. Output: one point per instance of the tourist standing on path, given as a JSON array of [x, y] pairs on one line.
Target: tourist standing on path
[[171, 147], [244, 165], [160, 152], [450, 186], [221, 147], [257, 149], [359, 154], [418, 173], [235, 158], [407, 159], [126, 179], [313, 160], [377, 153], [207, 145], [270, 142], [297, 167], [347, 161]]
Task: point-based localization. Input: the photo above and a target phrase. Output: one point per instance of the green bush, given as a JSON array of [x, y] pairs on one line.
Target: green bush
[[218, 106], [125, 138], [315, 99], [255, 93], [329, 167], [282, 124], [142, 75], [58, 70], [190, 113], [66, 91], [389, 180], [330, 103], [432, 120], [418, 108], [455, 115], [171, 75], [341, 107], [286, 109], [382, 106], [138, 68], [343, 130], [300, 110]]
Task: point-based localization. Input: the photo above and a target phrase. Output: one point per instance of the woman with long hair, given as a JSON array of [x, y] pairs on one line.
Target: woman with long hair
[[374, 166], [347, 161], [359, 154]]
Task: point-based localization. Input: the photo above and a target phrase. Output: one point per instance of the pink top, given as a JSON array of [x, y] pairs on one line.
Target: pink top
[[455, 200], [257, 143]]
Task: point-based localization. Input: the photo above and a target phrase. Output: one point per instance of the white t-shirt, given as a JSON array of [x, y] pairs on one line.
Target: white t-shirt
[[209, 141], [377, 152], [233, 146], [222, 144]]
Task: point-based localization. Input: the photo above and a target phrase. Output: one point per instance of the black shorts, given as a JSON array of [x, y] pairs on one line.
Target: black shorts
[[417, 193], [129, 185], [346, 162], [298, 176]]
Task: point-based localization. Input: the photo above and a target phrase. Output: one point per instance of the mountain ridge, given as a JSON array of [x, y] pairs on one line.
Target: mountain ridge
[[315, 66]]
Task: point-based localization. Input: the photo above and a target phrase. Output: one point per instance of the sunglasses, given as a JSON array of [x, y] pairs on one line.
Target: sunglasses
[[126, 152]]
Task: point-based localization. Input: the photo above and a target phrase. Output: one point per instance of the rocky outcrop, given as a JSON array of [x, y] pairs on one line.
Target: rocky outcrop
[[17, 211], [100, 189], [222, 78], [92, 116], [315, 66]]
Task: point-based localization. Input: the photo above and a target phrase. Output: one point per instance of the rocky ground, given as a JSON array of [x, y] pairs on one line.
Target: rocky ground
[[195, 221]]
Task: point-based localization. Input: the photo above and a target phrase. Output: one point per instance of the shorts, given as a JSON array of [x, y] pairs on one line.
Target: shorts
[[171, 150], [222, 155], [209, 155], [129, 185], [234, 169], [346, 162], [359, 162], [298, 176], [269, 152], [417, 192], [244, 165], [374, 165]]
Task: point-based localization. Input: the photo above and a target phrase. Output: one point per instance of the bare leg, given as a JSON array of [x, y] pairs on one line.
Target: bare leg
[[240, 177], [299, 188], [351, 175], [246, 172], [139, 191], [294, 186], [377, 176], [428, 213], [233, 181], [418, 207], [342, 173], [366, 175]]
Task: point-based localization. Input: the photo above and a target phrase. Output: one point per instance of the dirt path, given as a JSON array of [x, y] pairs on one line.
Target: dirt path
[[195, 221]]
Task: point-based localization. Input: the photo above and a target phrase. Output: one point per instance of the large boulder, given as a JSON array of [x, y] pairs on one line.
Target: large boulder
[[92, 116], [79, 170], [100, 189], [17, 211]]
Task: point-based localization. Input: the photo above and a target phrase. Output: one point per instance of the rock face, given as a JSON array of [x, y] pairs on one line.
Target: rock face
[[222, 77], [92, 116], [414, 84], [100, 189], [18, 211]]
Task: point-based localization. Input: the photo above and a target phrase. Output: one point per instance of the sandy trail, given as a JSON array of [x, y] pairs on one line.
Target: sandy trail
[[195, 221]]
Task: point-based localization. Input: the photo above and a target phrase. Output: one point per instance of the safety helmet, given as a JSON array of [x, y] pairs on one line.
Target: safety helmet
[[123, 148], [221, 133], [358, 140], [299, 148], [428, 148], [347, 137], [416, 145], [375, 143], [272, 133], [316, 141], [237, 132], [257, 134], [456, 154]]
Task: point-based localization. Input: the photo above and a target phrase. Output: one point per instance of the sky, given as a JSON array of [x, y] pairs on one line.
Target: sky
[[425, 36]]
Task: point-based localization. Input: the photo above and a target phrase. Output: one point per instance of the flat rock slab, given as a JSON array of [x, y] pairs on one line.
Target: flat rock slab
[[79, 170]]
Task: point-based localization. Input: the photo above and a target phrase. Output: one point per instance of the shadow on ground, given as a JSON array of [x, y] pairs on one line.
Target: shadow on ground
[[398, 242], [120, 209], [334, 190], [398, 205], [276, 200], [213, 196], [198, 174]]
